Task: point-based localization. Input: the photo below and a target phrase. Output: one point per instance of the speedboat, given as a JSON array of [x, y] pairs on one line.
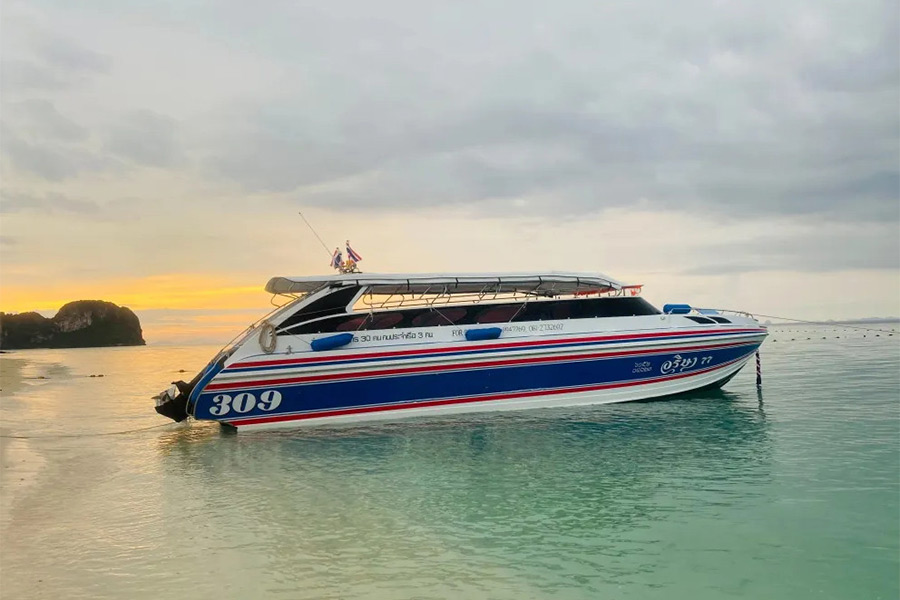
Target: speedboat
[[353, 347]]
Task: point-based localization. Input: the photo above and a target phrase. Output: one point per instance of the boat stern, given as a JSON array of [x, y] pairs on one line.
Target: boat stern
[[172, 403], [177, 401]]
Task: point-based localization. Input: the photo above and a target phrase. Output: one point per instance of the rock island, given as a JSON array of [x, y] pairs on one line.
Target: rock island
[[79, 324]]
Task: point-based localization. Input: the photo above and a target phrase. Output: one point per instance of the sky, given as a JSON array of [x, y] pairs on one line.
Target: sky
[[740, 155]]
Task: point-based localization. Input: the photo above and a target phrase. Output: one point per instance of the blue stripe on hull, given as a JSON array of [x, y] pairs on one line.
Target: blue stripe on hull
[[327, 396], [513, 345]]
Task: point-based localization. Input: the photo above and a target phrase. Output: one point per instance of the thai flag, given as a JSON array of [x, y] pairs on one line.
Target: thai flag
[[336, 259], [351, 254]]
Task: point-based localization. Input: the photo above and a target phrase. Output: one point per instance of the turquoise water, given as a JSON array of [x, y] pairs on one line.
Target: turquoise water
[[714, 496]]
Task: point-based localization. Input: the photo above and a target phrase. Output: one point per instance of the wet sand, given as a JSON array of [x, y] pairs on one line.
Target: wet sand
[[11, 368], [20, 464]]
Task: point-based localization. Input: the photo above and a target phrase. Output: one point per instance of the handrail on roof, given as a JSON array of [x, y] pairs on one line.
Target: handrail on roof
[[547, 284]]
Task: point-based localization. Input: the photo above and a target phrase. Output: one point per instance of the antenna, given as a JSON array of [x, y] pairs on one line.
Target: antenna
[[327, 251]]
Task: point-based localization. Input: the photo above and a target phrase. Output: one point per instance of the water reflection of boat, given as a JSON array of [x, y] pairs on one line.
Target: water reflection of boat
[[577, 472], [355, 347], [734, 425]]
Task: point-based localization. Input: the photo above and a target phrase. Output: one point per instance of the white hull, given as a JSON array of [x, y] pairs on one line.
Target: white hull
[[645, 391]]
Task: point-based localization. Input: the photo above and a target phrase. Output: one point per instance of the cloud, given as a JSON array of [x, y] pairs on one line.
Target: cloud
[[40, 118], [824, 249], [772, 109], [146, 138], [26, 75], [50, 161], [47, 204], [737, 123], [38, 139], [65, 54], [862, 68], [40, 60]]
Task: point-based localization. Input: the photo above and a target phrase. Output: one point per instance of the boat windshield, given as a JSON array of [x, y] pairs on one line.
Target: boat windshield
[[333, 303]]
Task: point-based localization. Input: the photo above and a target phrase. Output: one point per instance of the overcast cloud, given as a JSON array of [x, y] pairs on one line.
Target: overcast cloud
[[773, 111], [783, 108]]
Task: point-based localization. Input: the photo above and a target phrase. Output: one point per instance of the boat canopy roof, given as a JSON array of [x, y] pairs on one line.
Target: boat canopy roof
[[547, 283]]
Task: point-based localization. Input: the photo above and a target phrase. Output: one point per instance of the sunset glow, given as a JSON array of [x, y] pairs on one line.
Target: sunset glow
[[173, 308], [176, 291]]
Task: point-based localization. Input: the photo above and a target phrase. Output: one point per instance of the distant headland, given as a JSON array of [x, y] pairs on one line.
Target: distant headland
[[79, 324]]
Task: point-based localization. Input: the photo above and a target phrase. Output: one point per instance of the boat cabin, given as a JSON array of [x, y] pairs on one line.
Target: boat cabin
[[356, 302]]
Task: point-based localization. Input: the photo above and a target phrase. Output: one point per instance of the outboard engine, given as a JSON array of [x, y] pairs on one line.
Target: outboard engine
[[173, 402]]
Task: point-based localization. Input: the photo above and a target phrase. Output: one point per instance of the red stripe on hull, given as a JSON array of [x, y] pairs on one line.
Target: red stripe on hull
[[214, 387], [466, 400], [363, 355]]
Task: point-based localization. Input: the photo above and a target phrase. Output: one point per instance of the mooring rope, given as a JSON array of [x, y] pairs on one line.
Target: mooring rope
[[831, 324], [81, 435]]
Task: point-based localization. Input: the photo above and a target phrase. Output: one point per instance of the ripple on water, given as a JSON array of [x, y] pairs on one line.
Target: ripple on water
[[705, 497]]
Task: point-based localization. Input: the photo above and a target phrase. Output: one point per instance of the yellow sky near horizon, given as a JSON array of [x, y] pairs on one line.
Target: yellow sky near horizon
[[171, 291], [173, 308], [694, 259], [187, 308]]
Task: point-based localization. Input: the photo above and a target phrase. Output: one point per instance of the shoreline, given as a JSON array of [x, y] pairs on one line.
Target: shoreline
[[20, 464]]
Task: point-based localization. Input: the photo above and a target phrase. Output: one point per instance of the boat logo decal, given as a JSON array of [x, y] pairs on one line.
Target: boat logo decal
[[679, 364], [644, 366]]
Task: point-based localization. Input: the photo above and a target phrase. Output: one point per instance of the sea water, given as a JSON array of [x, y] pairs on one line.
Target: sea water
[[791, 493]]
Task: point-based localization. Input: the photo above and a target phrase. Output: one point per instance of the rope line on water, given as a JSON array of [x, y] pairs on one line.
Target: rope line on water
[[81, 435], [832, 324]]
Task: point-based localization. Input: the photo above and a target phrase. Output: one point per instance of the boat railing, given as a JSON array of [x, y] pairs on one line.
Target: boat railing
[[440, 295], [236, 341], [436, 297], [727, 311]]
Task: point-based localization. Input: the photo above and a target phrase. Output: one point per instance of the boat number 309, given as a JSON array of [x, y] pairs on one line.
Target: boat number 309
[[244, 402], [679, 364]]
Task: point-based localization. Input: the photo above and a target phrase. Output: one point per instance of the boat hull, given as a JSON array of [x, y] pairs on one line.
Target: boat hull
[[347, 387]]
